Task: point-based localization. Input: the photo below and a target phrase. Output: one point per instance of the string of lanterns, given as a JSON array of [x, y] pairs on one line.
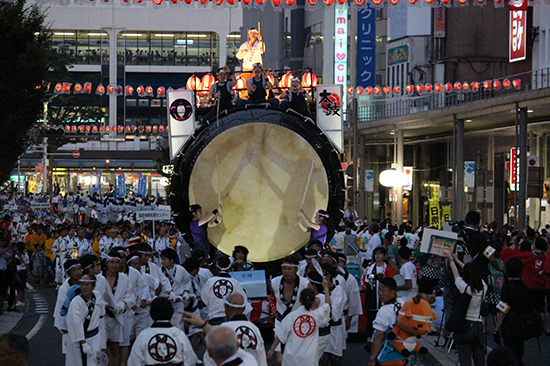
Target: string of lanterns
[[292, 3], [429, 88], [200, 85]]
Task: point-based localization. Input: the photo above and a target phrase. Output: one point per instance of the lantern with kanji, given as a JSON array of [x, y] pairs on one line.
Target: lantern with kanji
[[286, 80]]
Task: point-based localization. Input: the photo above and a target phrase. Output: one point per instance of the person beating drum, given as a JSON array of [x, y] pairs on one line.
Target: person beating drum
[[199, 226], [318, 229], [251, 51]]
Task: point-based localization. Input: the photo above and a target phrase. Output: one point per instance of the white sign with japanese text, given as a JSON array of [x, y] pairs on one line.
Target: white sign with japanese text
[[329, 113], [154, 215]]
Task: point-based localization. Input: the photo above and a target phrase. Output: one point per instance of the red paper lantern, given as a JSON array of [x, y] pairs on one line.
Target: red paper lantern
[[448, 86], [369, 90], [77, 87], [67, 128], [110, 89], [161, 92], [134, 128], [149, 90], [487, 84], [312, 2], [387, 90], [81, 128], [276, 2], [109, 128], [271, 79], [161, 128], [410, 88], [377, 89], [286, 80], [413, 1], [73, 128], [188, 1], [58, 87], [394, 2], [446, 1], [100, 89], [258, 1], [462, 1], [359, 90], [67, 87], [516, 83], [290, 2], [428, 87], [193, 83], [506, 83], [207, 81], [377, 2], [175, 1], [203, 1], [360, 2], [246, 2], [328, 2], [140, 129], [438, 87], [155, 128], [475, 85], [148, 128], [94, 129], [101, 128], [157, 2], [217, 2], [240, 84], [350, 90], [420, 88], [129, 90], [231, 2], [88, 128], [309, 80], [128, 129], [465, 86], [397, 89], [342, 1], [120, 128], [87, 87], [496, 84], [457, 85]]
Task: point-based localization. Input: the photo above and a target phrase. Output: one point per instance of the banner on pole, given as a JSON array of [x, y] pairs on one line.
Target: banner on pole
[[434, 214]]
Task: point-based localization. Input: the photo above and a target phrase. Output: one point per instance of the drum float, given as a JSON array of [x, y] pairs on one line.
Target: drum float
[[256, 161]]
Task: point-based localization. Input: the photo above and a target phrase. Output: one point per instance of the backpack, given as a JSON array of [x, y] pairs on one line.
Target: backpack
[[522, 327]]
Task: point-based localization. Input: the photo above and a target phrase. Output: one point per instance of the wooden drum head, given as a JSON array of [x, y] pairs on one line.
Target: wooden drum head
[[258, 167]]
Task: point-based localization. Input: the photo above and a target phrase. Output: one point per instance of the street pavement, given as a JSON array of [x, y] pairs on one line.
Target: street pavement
[[36, 322]]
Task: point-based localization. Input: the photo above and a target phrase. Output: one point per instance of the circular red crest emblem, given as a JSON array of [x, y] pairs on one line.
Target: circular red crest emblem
[[304, 326], [162, 348], [222, 288], [246, 337]]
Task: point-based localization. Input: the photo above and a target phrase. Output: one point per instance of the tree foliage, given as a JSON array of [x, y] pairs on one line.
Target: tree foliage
[[26, 62]]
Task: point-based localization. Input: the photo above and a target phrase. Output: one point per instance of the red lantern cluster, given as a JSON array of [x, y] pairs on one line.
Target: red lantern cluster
[[87, 129]]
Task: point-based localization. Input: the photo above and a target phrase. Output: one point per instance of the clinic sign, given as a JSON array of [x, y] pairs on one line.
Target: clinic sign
[[154, 215], [341, 46], [518, 30]]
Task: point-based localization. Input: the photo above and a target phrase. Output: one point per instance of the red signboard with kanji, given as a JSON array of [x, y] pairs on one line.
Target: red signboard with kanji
[[518, 32]]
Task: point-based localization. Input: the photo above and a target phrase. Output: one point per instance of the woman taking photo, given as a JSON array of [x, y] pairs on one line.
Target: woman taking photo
[[83, 323], [470, 342]]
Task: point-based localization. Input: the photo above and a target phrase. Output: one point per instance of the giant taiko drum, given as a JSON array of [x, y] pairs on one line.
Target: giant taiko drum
[[257, 160]]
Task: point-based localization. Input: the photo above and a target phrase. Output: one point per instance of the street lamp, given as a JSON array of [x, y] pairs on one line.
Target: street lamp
[[392, 178]]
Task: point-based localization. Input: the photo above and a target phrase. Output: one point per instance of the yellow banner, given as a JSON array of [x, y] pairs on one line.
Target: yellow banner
[[446, 213], [434, 214], [32, 186]]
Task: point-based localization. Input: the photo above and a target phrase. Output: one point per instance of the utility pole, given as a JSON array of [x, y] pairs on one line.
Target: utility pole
[[45, 152]]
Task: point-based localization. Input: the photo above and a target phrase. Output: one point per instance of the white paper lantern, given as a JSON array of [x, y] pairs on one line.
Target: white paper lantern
[[392, 178]]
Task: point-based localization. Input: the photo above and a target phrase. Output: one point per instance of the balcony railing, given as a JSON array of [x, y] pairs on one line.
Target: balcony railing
[[392, 105]]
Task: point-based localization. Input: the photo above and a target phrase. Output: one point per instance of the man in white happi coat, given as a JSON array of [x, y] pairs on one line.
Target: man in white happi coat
[[222, 347], [180, 281], [217, 288], [251, 51], [248, 335], [162, 344]]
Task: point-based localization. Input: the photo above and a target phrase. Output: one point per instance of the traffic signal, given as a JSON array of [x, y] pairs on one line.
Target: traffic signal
[[53, 131]]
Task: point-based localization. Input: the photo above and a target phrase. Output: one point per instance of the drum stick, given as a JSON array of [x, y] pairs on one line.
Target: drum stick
[[217, 114], [218, 178], [307, 184]]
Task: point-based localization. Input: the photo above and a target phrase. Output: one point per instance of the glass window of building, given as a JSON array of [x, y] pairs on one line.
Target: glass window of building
[[233, 44]]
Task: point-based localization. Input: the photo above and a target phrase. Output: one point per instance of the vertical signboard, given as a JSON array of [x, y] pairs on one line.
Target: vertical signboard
[[469, 174], [341, 46], [121, 185], [141, 188], [181, 118], [518, 35], [514, 168], [440, 13], [329, 113], [369, 180], [408, 170], [366, 46]]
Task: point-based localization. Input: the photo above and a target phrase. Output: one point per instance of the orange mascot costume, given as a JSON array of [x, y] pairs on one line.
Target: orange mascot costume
[[414, 320]]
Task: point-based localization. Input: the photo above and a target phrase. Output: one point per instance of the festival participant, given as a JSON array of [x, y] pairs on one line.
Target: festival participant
[[385, 321], [162, 343], [122, 297], [286, 289], [84, 246], [192, 266], [50, 258], [318, 229], [222, 90], [248, 334], [7, 228], [14, 349], [151, 288], [145, 252], [108, 242], [299, 331], [84, 320], [162, 242], [199, 226], [251, 51], [60, 251], [409, 289], [256, 89], [295, 98], [239, 260], [370, 281], [337, 339], [180, 281], [223, 348], [354, 306], [316, 284], [73, 270], [216, 289], [308, 265]]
